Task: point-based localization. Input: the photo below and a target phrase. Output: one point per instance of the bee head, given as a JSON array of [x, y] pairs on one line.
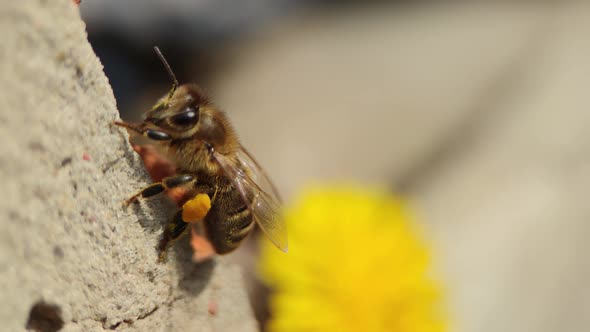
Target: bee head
[[189, 115], [179, 111], [193, 125]]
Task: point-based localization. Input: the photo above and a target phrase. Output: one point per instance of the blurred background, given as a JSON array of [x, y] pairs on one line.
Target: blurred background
[[476, 112]]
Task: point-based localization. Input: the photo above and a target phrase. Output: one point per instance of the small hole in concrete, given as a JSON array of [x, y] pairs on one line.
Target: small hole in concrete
[[66, 161], [58, 252], [45, 317], [114, 327]]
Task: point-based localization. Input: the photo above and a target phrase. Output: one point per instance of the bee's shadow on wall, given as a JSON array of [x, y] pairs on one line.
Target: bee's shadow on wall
[[155, 213], [193, 277]]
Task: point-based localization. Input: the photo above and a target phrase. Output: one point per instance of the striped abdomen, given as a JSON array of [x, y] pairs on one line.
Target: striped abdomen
[[229, 221]]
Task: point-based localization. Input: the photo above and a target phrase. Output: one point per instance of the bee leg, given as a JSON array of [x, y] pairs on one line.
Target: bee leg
[[192, 211], [173, 231], [159, 187], [153, 134]]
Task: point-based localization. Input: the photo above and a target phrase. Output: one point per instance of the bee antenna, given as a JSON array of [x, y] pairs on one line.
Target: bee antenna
[[168, 69]]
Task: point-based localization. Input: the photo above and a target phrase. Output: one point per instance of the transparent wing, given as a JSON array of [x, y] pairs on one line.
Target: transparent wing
[[258, 174], [263, 206]]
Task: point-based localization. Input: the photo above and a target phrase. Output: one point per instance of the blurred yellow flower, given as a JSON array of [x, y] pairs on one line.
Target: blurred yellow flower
[[355, 263]]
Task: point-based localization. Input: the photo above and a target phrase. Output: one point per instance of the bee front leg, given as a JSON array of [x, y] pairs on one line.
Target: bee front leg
[[159, 187], [153, 134]]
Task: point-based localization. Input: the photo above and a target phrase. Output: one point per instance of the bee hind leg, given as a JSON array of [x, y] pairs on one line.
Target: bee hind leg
[[174, 230], [192, 211]]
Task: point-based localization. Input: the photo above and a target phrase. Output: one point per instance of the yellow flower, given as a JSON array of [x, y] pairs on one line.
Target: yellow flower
[[355, 263]]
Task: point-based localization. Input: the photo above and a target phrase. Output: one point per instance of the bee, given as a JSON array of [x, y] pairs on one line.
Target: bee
[[201, 143]]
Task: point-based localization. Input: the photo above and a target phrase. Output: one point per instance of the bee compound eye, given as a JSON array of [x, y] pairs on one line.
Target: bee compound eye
[[188, 117]]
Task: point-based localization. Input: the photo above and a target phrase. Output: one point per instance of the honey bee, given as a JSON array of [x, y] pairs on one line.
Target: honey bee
[[200, 141]]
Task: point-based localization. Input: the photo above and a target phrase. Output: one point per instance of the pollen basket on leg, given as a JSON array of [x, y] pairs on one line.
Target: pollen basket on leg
[[196, 209]]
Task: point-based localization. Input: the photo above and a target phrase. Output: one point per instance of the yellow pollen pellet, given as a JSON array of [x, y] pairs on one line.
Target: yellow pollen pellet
[[196, 209]]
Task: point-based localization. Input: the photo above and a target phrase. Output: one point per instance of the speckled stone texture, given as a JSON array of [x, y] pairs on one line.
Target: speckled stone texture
[[66, 241]]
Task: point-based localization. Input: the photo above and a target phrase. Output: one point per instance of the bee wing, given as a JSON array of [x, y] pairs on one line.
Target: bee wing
[[263, 206], [258, 175]]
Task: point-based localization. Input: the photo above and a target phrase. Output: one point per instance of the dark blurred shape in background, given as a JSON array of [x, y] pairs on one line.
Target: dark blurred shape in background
[[192, 35]]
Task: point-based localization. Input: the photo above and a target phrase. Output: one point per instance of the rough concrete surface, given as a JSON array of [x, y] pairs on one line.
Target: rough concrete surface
[[65, 239]]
